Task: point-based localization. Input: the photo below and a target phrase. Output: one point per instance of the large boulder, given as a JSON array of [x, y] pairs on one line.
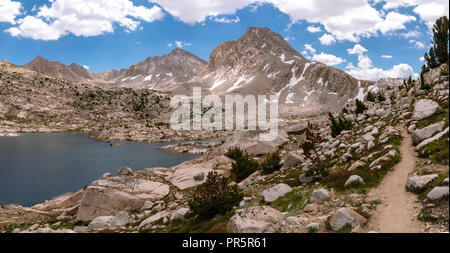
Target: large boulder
[[100, 223], [107, 197], [275, 192], [121, 219], [427, 132], [61, 202], [179, 214], [187, 174], [366, 138], [430, 140], [354, 179], [438, 193], [293, 159], [419, 183], [424, 108], [250, 142], [125, 171], [345, 216], [258, 219], [153, 219], [319, 196], [356, 165]]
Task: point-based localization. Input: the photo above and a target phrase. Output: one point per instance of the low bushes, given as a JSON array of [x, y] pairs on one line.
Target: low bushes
[[215, 196]]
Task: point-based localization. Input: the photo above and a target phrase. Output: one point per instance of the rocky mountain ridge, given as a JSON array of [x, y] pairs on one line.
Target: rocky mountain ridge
[[153, 73], [262, 62]]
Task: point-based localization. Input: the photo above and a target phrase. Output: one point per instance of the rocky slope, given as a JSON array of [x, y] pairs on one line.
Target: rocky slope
[[154, 73], [157, 73], [336, 196], [261, 62], [32, 102]]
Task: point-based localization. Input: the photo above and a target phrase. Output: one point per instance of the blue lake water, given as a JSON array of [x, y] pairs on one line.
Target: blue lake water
[[37, 167]]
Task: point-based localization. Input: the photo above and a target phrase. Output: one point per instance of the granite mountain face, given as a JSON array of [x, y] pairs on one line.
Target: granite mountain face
[[260, 62]]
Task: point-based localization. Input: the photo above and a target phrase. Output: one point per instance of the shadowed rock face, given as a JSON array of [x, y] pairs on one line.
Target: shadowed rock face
[[262, 62], [73, 72]]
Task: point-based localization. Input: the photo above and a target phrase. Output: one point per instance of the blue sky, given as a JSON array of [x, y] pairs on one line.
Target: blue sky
[[368, 39]]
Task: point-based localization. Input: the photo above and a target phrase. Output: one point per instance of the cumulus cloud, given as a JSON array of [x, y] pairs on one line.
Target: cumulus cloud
[[226, 20], [366, 71], [83, 18], [327, 39], [422, 58], [417, 44], [86, 67], [9, 10], [309, 48], [357, 49], [343, 19], [314, 29], [410, 34], [328, 59], [428, 10], [394, 21]]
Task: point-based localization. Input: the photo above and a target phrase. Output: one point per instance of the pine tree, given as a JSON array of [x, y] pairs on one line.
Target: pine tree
[[438, 53]]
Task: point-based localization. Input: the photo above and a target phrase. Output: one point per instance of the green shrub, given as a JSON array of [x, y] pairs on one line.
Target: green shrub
[[381, 97], [234, 153], [370, 97], [243, 165], [360, 107], [214, 197], [272, 163], [338, 124]]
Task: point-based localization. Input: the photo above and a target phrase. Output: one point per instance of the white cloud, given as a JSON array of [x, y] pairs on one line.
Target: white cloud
[[386, 56], [196, 11], [327, 39], [422, 58], [328, 59], [344, 19], [417, 44], [366, 71], [9, 10], [179, 44], [314, 29], [428, 10], [83, 18], [226, 20], [394, 21], [86, 67], [308, 47], [432, 10], [357, 49], [410, 34], [289, 38]]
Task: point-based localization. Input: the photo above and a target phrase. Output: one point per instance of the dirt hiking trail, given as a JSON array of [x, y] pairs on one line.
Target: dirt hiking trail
[[398, 210]]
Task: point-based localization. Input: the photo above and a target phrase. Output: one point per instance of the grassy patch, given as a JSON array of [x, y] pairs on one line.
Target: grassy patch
[[372, 178], [192, 225], [437, 150], [443, 116], [291, 202]]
